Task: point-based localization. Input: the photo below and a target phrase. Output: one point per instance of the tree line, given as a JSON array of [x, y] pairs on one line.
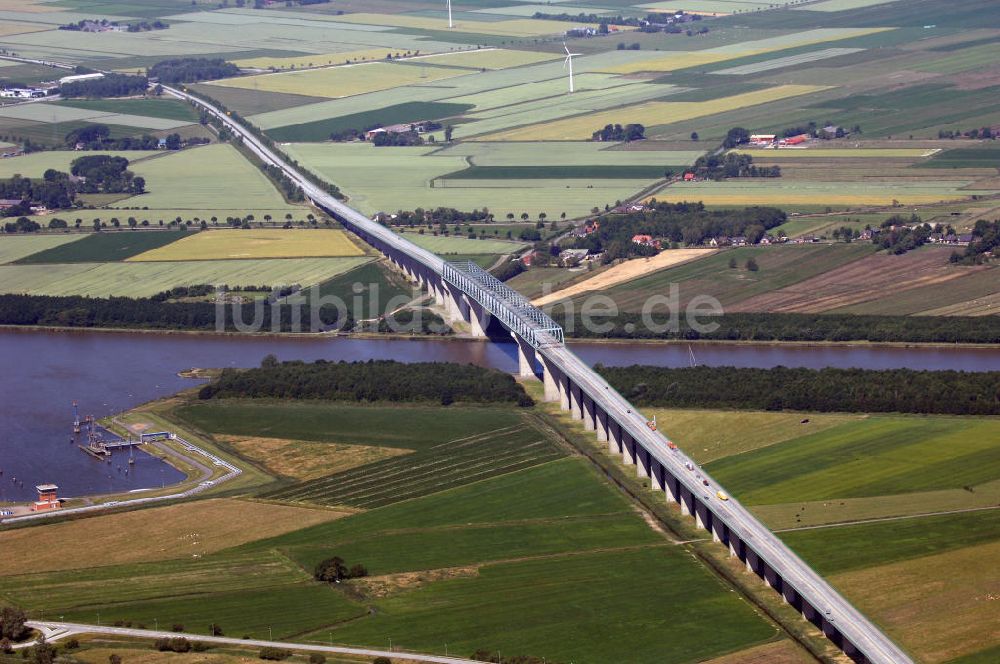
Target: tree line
[[110, 85], [796, 327], [98, 137], [148, 313], [826, 390], [192, 70], [375, 380], [683, 223], [616, 132]]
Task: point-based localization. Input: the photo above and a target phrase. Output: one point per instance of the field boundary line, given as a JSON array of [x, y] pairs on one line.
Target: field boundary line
[[901, 517]]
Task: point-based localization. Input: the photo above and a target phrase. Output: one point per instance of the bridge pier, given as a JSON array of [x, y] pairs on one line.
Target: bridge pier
[[602, 425], [589, 412], [658, 475], [673, 488], [642, 461], [549, 380], [575, 402], [614, 438], [628, 449], [525, 358]]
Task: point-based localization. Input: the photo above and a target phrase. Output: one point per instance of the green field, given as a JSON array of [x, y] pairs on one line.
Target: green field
[[146, 279], [977, 157], [190, 179], [450, 463], [834, 550], [416, 427], [17, 248], [320, 130], [168, 109], [35, 164], [104, 247], [451, 245], [873, 457]]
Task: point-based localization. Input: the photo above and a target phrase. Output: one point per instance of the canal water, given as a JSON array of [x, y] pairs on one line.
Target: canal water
[[45, 371]]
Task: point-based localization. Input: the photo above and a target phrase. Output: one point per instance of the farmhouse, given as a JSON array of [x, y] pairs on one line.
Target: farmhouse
[[762, 140], [645, 241], [22, 93]]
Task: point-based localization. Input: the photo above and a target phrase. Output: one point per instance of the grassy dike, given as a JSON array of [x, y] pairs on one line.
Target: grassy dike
[[713, 556]]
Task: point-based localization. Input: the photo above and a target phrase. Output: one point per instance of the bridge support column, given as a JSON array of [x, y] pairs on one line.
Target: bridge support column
[[473, 317], [686, 501], [628, 449], [525, 358], [550, 380], [564, 396], [718, 530], [589, 412], [575, 402], [673, 487], [642, 460], [614, 438], [602, 425], [659, 476]]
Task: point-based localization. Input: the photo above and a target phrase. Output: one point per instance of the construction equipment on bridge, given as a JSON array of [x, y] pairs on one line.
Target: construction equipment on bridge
[[722, 495], [652, 424], [506, 304]]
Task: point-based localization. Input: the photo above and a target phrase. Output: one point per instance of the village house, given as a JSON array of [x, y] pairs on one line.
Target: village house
[[646, 241]]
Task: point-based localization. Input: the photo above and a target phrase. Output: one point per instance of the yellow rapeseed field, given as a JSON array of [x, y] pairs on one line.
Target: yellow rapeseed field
[[257, 243], [649, 113], [343, 81]]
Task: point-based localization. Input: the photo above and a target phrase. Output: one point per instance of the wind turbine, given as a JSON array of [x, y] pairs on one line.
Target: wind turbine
[[450, 24], [568, 62]]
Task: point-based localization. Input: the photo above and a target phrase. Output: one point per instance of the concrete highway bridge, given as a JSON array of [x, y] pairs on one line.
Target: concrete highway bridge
[[468, 292]]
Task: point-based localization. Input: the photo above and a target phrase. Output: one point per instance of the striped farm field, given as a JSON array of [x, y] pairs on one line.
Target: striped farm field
[[841, 5], [256, 243], [146, 279], [449, 464], [650, 113], [788, 61], [335, 82], [674, 60]]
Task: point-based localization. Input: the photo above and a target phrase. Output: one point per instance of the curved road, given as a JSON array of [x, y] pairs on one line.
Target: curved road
[[794, 572], [57, 630]]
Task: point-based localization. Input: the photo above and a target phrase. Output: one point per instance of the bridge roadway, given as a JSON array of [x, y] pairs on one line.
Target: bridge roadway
[[590, 398]]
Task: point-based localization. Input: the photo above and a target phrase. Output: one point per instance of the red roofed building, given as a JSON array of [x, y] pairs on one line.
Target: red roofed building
[[688, 177]]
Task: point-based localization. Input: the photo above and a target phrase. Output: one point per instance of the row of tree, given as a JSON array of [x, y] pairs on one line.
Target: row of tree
[[146, 313], [98, 137], [191, 70], [826, 390], [103, 173], [382, 380], [335, 570], [797, 327]]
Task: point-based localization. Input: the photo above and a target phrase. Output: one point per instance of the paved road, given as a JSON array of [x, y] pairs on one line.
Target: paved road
[[58, 630], [855, 627]]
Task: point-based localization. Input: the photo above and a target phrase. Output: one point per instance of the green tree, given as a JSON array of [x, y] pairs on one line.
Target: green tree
[[694, 136], [114, 658], [331, 570], [12, 621], [732, 262], [752, 265]]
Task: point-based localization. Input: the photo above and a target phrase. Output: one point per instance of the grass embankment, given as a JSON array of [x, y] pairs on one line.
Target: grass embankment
[[883, 471], [432, 559]]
